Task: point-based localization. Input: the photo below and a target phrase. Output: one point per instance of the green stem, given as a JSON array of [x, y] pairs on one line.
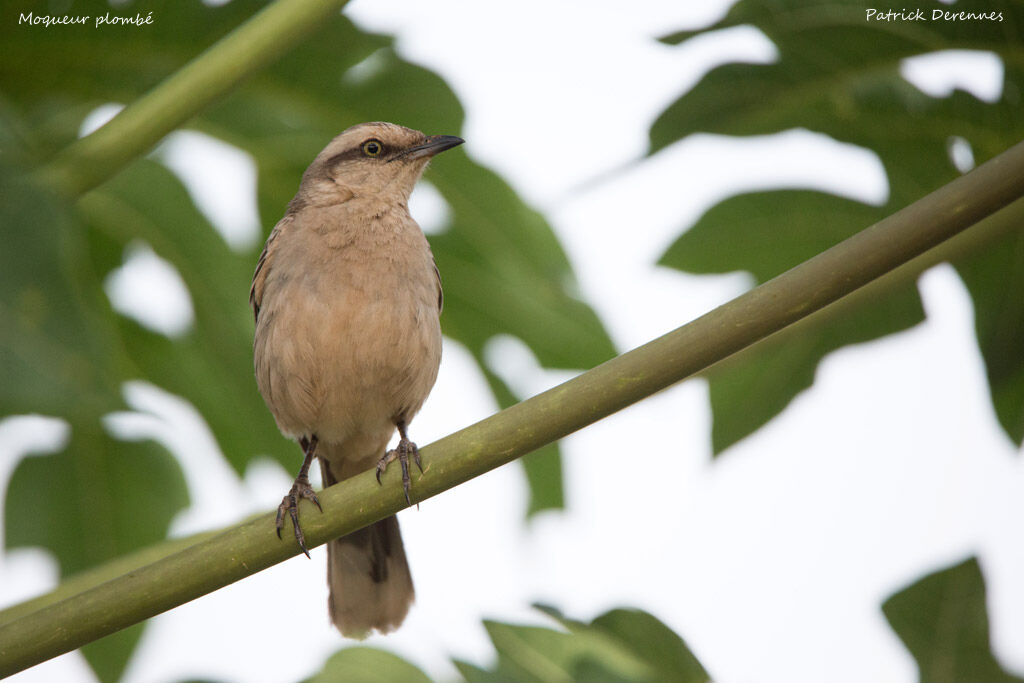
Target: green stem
[[242, 550], [137, 128]]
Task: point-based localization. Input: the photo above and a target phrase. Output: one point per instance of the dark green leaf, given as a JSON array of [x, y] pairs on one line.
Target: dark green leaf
[[543, 467], [97, 500], [654, 643], [646, 638], [759, 233], [475, 674], [621, 645], [53, 355], [66, 353], [942, 619], [368, 665], [211, 364], [109, 656], [995, 278], [60, 356], [839, 74], [532, 653], [503, 269], [764, 233]]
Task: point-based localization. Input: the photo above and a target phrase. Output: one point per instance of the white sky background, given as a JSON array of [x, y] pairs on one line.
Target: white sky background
[[771, 561]]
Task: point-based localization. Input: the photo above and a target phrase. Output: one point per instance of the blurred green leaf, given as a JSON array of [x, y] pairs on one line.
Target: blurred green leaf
[[52, 347], [995, 278], [100, 497], [543, 467], [66, 353], [97, 499], [475, 674], [621, 645], [760, 232], [368, 665], [839, 74], [645, 637], [211, 364], [503, 269], [532, 653], [942, 619]]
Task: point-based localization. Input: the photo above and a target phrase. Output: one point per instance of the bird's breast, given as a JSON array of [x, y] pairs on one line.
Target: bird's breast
[[349, 343]]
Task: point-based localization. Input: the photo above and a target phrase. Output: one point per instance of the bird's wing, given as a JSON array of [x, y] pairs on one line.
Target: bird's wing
[[440, 291], [263, 266]]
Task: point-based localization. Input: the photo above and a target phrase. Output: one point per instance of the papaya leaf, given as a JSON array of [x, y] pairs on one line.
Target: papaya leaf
[[504, 271], [942, 619], [838, 73], [368, 665]]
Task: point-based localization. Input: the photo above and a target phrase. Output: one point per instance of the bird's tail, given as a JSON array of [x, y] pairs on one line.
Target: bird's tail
[[368, 577]]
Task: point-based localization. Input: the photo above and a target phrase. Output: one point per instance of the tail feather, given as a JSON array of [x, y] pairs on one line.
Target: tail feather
[[368, 576]]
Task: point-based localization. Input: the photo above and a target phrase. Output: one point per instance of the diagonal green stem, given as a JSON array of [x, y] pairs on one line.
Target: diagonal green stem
[[215, 561], [259, 41]]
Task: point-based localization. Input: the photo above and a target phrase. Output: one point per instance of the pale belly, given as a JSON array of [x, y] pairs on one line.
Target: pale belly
[[349, 363]]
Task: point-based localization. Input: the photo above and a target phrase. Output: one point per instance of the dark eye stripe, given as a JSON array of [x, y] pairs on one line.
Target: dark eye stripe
[[353, 153]]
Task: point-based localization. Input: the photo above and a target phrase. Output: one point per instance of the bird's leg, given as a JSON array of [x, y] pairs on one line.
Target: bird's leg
[[401, 453], [300, 489]]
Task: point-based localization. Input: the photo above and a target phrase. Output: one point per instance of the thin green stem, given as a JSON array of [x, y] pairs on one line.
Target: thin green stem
[[137, 128], [216, 561]]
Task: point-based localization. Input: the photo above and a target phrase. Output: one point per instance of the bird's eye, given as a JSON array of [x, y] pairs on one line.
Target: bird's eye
[[372, 148]]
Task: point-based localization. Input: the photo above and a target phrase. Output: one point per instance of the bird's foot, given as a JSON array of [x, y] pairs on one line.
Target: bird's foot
[[290, 505], [401, 453]]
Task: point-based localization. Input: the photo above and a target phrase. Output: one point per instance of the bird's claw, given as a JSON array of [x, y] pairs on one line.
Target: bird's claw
[[290, 504], [401, 453]]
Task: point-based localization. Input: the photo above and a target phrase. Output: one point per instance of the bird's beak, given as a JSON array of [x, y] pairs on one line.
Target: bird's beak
[[435, 144]]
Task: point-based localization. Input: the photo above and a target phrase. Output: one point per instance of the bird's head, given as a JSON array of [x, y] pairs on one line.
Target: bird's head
[[376, 161]]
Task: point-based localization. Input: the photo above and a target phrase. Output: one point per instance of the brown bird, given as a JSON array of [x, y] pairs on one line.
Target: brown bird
[[347, 299]]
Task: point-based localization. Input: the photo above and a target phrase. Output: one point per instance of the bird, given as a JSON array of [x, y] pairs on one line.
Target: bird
[[346, 298]]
